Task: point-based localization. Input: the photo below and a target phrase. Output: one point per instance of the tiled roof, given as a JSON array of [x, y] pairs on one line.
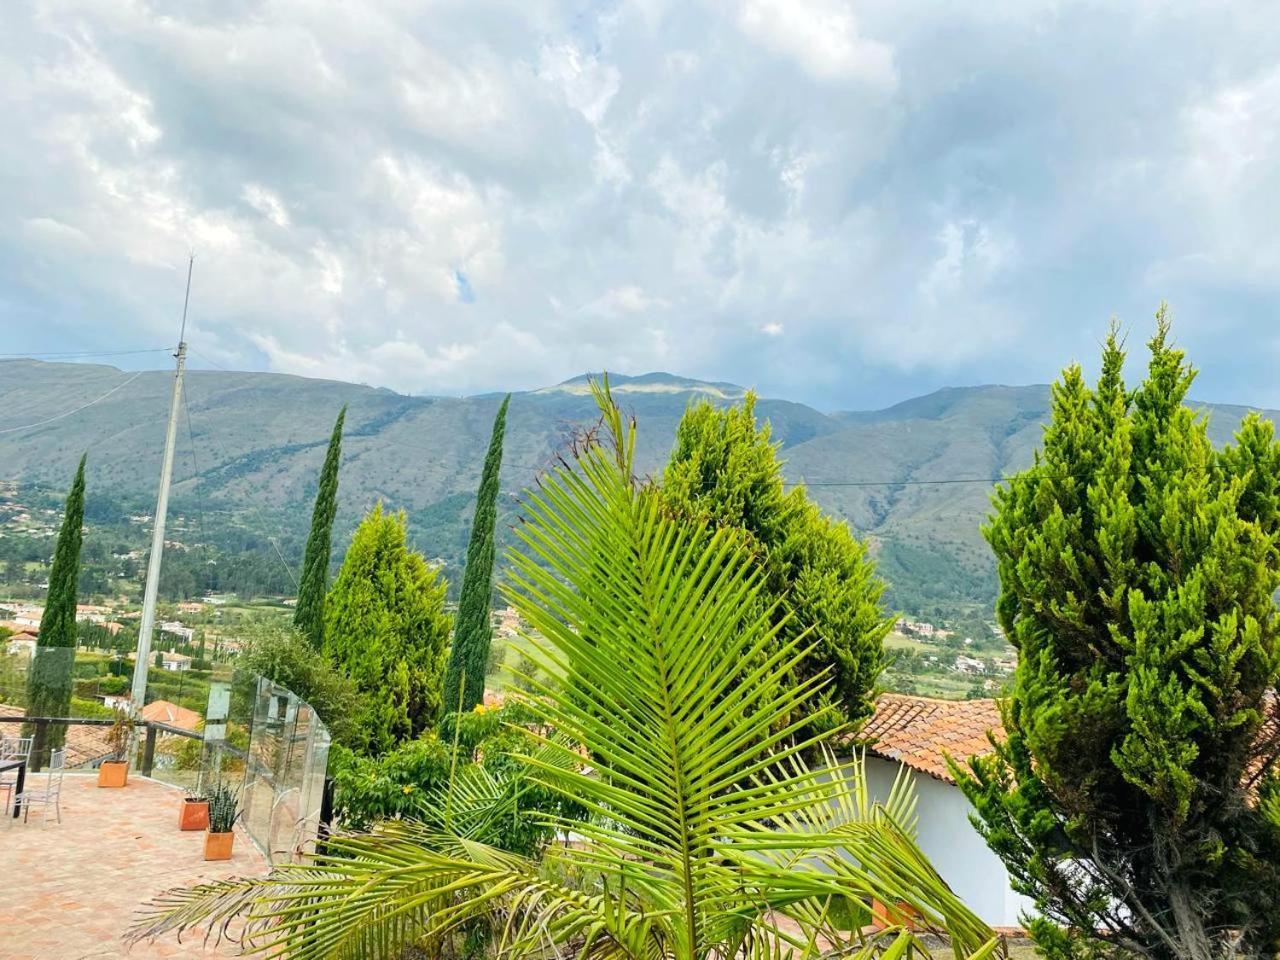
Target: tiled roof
[[164, 711], [85, 744], [922, 732]]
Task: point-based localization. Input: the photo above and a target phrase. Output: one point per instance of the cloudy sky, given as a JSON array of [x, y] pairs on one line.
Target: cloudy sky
[[838, 201]]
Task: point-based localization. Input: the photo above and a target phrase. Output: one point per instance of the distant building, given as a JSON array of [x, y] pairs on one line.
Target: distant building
[[176, 662], [970, 665], [23, 642], [190, 606], [88, 613], [28, 616], [176, 628], [171, 714]]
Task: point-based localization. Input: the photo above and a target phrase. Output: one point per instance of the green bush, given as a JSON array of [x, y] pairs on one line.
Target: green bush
[[390, 787], [283, 654]]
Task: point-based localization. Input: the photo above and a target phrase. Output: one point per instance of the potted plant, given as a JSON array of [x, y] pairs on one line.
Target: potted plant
[[114, 771], [222, 820], [194, 813]]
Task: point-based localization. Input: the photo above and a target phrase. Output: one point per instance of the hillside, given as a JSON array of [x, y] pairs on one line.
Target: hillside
[[914, 477]]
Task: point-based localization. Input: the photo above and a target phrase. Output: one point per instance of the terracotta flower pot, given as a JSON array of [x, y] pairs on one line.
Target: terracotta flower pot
[[193, 815], [898, 915], [217, 846], [113, 773]]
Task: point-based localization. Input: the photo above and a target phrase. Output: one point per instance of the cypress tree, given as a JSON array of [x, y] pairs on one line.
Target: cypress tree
[[49, 679], [386, 628], [1136, 800], [469, 657], [308, 615]]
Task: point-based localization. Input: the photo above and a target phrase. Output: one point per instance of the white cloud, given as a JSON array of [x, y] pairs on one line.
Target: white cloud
[[266, 203], [821, 35], [484, 195], [623, 301]]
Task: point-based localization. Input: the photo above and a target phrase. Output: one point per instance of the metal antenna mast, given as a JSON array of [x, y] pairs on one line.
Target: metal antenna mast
[[141, 665]]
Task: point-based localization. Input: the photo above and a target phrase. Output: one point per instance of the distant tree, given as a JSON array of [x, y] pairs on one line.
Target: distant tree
[[725, 470], [526, 674], [386, 628], [1136, 800], [468, 659], [308, 615], [49, 678]]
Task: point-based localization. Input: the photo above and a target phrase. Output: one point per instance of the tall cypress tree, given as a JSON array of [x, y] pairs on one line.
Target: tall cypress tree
[[308, 616], [49, 680], [1136, 800], [464, 680], [387, 629]]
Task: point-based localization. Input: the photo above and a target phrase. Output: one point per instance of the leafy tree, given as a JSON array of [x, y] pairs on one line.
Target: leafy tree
[[386, 628], [1135, 798], [468, 660], [308, 615], [725, 471], [702, 833], [49, 679]]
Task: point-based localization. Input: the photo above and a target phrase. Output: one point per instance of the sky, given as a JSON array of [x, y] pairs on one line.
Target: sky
[[843, 203]]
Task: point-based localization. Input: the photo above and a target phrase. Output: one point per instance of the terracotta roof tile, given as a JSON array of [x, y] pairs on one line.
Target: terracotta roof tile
[[85, 744], [921, 732]]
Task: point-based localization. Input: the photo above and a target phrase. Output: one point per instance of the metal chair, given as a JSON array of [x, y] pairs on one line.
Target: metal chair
[[12, 748], [52, 792]]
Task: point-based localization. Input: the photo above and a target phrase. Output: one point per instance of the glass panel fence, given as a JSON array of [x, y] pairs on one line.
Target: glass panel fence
[[206, 725]]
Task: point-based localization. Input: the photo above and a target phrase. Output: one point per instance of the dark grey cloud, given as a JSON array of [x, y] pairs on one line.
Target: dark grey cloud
[[843, 202]]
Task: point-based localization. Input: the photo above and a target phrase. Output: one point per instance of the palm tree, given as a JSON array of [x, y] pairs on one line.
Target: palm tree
[[707, 835]]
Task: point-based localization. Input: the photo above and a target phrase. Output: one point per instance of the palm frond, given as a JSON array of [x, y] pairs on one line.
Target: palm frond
[[707, 835]]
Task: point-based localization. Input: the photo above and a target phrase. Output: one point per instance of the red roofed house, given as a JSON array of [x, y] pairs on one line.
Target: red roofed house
[[920, 733], [171, 714]]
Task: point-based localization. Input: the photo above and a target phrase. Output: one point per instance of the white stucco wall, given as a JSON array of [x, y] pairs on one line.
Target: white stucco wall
[[958, 853]]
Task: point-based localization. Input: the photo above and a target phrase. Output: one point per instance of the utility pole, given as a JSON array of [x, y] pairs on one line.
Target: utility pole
[[145, 628]]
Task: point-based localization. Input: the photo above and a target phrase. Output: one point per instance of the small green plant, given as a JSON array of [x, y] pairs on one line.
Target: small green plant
[[222, 809], [118, 735]]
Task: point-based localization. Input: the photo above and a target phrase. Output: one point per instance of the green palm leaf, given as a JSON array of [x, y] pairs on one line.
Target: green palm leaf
[[707, 834]]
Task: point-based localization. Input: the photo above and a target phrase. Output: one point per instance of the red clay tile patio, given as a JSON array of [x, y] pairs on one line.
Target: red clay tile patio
[[69, 891]]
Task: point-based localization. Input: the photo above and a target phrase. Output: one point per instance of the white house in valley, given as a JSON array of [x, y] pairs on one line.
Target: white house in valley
[[920, 733]]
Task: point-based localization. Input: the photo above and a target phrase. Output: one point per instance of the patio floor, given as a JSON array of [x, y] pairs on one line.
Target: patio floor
[[69, 891]]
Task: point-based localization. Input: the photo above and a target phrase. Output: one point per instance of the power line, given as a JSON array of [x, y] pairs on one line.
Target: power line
[[82, 353], [83, 406]]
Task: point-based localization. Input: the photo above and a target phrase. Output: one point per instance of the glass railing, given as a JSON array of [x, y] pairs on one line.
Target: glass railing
[[203, 728], [284, 773]]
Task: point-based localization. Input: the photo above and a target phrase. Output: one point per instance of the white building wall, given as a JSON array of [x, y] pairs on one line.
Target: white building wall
[[954, 847]]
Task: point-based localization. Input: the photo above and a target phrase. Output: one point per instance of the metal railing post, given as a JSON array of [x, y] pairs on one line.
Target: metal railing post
[[149, 751]]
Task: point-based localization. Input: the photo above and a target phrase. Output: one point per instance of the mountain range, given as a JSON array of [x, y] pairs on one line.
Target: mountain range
[[914, 478]]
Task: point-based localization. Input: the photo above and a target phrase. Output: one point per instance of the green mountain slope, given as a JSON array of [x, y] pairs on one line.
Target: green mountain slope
[[915, 477]]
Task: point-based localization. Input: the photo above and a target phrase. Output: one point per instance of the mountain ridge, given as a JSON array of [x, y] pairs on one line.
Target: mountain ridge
[[251, 445]]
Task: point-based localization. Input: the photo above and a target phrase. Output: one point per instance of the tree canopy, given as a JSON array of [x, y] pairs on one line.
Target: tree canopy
[[1135, 798], [386, 628], [725, 471]]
